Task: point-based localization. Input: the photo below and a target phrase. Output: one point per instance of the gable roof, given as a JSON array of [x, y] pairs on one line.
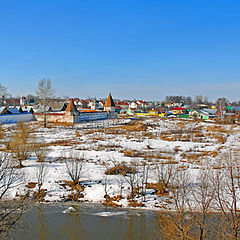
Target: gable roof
[[122, 103], [15, 110], [178, 108], [28, 109], [109, 102], [4, 110]]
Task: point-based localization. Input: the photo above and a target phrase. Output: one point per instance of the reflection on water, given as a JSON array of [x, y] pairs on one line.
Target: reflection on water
[[47, 222]]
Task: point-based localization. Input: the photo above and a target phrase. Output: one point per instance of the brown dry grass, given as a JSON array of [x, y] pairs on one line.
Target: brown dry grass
[[161, 188], [199, 155], [119, 169], [111, 201], [31, 185], [77, 134], [97, 138], [133, 203], [39, 196], [59, 124], [131, 127], [131, 153], [76, 190]]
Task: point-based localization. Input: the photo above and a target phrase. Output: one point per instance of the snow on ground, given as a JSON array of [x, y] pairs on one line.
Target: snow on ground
[[101, 149]]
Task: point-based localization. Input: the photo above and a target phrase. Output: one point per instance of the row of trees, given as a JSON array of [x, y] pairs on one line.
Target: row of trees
[[203, 206], [199, 99], [206, 207]]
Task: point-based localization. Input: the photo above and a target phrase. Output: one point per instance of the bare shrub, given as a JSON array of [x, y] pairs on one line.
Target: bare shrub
[[164, 173], [41, 173], [40, 152], [20, 142], [74, 167]]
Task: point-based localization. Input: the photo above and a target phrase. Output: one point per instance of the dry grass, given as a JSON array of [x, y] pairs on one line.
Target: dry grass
[[77, 134], [131, 153], [131, 127], [157, 156], [119, 169], [160, 188], [58, 124], [199, 155], [97, 138], [133, 203], [75, 189], [111, 201], [39, 196], [31, 185]]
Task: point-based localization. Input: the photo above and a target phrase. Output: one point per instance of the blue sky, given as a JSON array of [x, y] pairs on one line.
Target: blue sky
[[133, 49]]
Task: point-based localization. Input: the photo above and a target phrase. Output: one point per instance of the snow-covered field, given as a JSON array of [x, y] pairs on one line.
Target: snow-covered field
[[184, 144]]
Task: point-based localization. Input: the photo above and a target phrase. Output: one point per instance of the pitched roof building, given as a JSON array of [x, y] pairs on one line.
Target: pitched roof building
[[109, 105], [71, 108]]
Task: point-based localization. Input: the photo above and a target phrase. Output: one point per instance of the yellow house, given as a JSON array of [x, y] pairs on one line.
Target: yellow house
[[153, 113]]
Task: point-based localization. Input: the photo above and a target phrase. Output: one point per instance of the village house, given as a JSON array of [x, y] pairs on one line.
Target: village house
[[94, 104], [123, 105], [23, 101], [139, 104], [142, 104], [133, 105], [178, 110]]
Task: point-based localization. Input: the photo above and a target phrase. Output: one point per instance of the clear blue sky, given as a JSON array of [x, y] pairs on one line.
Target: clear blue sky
[[133, 49]]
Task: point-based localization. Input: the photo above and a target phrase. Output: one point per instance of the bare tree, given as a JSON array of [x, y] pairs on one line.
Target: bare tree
[[143, 176], [132, 179], [179, 191], [45, 93], [200, 201], [227, 182], [3, 93], [199, 99], [10, 211], [164, 173], [205, 100], [222, 102]]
